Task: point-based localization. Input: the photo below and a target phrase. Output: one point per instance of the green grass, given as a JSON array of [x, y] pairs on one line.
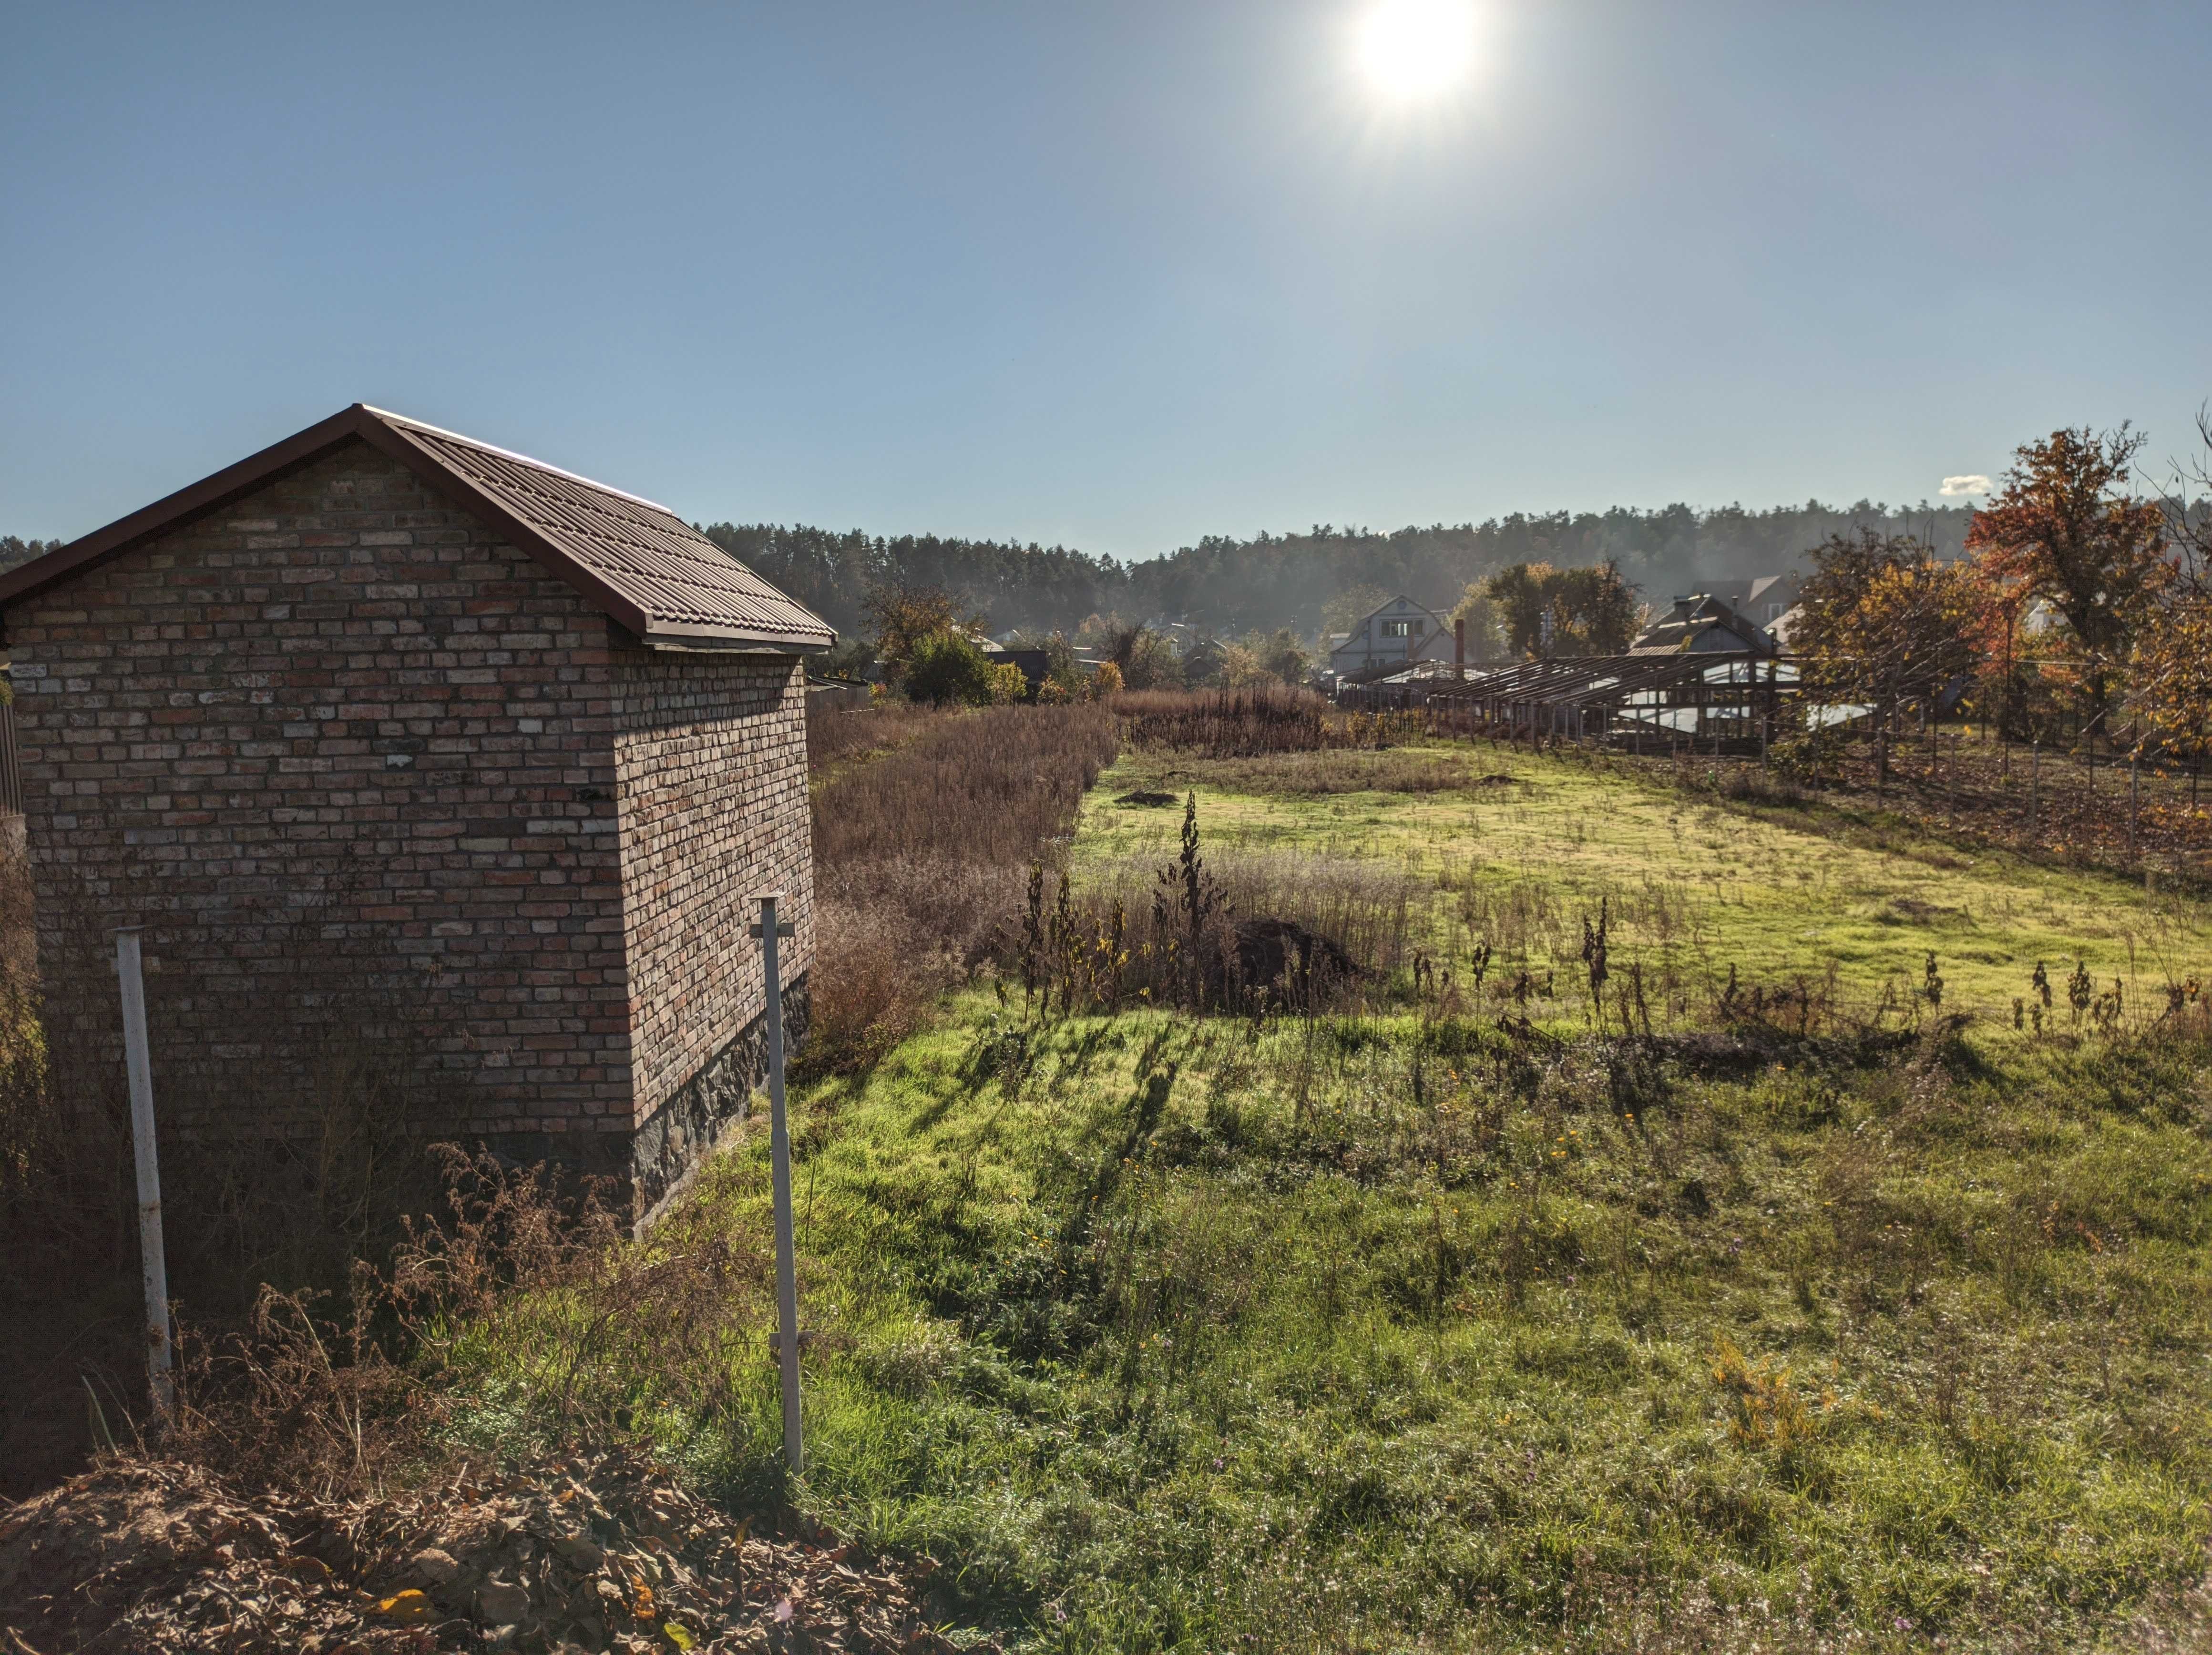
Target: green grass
[[1127, 1334], [1693, 886], [1390, 1331]]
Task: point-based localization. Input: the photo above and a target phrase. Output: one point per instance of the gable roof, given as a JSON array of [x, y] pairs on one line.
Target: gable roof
[[641, 563], [1401, 601], [1693, 619]]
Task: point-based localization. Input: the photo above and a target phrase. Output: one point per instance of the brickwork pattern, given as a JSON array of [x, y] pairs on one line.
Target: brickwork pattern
[[710, 757], [710, 751], [341, 731]]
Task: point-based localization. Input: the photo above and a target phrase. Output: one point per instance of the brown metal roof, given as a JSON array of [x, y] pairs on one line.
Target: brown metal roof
[[643, 564]]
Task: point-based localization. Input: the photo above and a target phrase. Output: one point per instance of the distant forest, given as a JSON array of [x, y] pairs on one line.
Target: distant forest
[[1233, 586]]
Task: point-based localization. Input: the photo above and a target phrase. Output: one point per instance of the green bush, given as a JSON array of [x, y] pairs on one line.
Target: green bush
[[945, 667]]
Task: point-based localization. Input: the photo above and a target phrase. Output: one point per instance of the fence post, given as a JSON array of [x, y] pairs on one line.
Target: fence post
[[153, 1263], [2134, 798], [2034, 780], [787, 1262]]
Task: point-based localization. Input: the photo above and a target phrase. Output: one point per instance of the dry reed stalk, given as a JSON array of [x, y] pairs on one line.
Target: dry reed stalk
[[920, 856]]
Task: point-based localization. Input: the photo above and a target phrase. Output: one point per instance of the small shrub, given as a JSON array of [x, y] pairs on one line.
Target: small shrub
[[946, 669]]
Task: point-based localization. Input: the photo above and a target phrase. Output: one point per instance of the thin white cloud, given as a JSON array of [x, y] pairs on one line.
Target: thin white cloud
[[1973, 484]]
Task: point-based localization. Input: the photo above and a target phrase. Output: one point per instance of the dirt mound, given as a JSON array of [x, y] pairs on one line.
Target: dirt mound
[[1282, 955], [1147, 800], [600, 1553]]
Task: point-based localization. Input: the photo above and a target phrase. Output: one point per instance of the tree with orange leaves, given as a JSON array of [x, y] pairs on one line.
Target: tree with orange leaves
[[2063, 528], [2170, 680], [1887, 626]]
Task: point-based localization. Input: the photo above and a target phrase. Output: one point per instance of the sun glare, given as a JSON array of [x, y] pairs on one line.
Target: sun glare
[[1415, 49]]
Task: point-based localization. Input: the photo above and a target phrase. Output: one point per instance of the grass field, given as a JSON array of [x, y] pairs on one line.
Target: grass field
[[1416, 1327], [1693, 886]]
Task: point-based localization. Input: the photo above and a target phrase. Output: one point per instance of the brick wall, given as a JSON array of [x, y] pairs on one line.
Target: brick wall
[[354, 761], [710, 752]]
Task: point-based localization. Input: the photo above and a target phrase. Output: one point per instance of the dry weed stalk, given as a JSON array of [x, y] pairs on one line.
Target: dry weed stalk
[[353, 1395], [918, 857]]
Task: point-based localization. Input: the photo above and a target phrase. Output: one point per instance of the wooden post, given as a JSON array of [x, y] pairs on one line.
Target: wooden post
[[2134, 800]]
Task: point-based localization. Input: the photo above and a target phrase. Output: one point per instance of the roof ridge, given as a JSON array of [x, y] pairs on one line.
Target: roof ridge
[[520, 458]]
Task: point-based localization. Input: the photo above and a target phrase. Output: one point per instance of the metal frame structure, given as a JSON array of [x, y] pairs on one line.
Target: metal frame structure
[[1702, 702]]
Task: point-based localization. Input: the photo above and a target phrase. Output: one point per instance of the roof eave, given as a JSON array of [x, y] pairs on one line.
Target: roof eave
[[662, 635], [391, 435]]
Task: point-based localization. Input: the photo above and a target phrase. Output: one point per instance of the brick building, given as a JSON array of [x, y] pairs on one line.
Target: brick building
[[385, 729]]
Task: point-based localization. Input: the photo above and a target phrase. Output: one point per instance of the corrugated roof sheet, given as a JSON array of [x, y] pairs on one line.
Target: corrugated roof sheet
[[643, 564], [681, 581]]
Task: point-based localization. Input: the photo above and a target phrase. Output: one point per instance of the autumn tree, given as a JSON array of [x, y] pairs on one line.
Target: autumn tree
[[2170, 676], [1263, 657], [1885, 625], [1583, 611], [2063, 528], [1485, 637], [902, 616], [2170, 679], [1145, 659]]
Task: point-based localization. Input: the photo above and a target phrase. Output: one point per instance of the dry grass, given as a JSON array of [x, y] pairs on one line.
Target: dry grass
[[298, 1210], [920, 857], [1126, 937], [351, 1393], [833, 736], [1226, 723], [1343, 770]]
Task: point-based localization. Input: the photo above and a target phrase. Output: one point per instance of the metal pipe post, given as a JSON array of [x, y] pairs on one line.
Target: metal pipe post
[[787, 1261], [153, 1263]]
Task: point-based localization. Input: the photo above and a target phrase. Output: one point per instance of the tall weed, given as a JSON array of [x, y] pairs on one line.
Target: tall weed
[[918, 858]]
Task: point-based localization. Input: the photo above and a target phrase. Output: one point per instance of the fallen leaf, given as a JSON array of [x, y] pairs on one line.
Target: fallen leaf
[[410, 1606]]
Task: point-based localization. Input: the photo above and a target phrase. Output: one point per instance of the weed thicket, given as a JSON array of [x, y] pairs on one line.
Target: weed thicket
[[919, 854]]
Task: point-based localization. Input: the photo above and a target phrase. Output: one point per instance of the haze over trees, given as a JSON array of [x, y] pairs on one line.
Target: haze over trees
[[1232, 587]]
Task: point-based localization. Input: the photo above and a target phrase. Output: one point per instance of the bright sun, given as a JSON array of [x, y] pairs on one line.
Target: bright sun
[[1414, 49]]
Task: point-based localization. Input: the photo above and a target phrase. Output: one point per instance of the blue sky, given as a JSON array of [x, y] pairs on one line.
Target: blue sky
[[1117, 275]]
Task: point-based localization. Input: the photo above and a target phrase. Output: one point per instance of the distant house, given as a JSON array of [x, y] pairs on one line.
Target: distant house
[[1768, 598], [1702, 624], [1400, 632], [1759, 599], [383, 728]]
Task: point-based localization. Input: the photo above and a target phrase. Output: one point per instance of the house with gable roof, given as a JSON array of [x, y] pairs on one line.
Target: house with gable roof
[[386, 723], [1398, 633]]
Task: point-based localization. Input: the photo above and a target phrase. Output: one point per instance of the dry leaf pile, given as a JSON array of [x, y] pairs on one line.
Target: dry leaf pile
[[604, 1552]]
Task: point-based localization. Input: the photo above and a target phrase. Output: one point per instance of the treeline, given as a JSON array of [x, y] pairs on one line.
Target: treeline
[[1038, 588], [1270, 581], [14, 549]]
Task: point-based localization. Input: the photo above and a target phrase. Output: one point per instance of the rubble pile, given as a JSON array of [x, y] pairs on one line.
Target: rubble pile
[[600, 1553]]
